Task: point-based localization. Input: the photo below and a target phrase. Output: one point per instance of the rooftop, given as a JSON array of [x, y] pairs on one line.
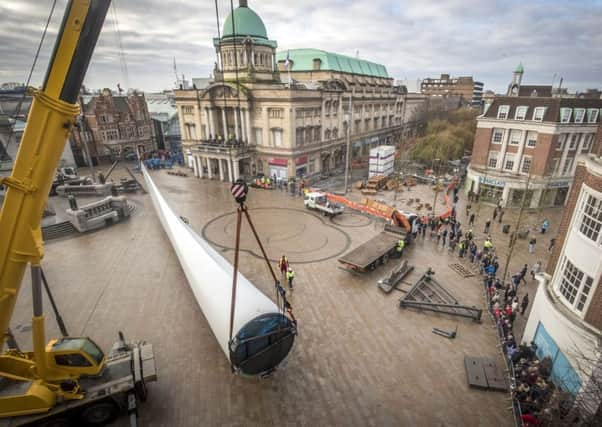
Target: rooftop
[[245, 23], [303, 60]]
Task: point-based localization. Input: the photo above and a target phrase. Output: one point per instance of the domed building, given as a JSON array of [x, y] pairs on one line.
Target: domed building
[[283, 114]]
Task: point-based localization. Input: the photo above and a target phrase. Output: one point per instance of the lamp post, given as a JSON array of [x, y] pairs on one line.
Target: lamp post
[[348, 136]]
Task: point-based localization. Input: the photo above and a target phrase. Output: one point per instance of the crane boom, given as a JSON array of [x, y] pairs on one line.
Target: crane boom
[[52, 115]]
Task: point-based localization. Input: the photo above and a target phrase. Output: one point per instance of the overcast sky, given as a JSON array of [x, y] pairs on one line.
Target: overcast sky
[[413, 39]]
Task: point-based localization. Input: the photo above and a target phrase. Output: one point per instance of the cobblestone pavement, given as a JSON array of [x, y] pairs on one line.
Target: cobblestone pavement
[[359, 359]]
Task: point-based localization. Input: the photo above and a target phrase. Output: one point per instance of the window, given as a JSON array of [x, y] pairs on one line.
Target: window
[[515, 136], [492, 163], [531, 139], [299, 135], [502, 111], [579, 115], [591, 221], [521, 113], [538, 113], [573, 141], [560, 141], [554, 166], [509, 165], [526, 164], [275, 113], [587, 141], [366, 125], [573, 283], [74, 359], [498, 135], [568, 164], [258, 136], [592, 115], [565, 115], [187, 109], [277, 137]]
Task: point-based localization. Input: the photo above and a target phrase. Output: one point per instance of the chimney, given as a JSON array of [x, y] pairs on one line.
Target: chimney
[[243, 3]]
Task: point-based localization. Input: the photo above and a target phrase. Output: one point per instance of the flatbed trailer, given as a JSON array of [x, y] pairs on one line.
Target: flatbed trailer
[[369, 255], [116, 391]]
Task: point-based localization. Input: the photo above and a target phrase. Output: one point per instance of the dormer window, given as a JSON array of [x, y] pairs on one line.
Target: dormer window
[[502, 111], [521, 113], [592, 115], [539, 113], [579, 115], [565, 115]]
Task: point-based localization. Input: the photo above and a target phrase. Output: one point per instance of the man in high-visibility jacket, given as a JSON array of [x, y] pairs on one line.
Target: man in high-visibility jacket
[[487, 245], [400, 245], [290, 275]]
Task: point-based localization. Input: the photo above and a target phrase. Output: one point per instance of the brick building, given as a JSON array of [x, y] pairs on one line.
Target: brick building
[[566, 317], [530, 133], [445, 86], [113, 125], [287, 113]]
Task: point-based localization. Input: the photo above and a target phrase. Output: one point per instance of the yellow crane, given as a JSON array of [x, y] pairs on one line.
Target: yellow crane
[[69, 377]]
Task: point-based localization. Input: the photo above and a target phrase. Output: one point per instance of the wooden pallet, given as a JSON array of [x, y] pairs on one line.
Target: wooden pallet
[[461, 270]]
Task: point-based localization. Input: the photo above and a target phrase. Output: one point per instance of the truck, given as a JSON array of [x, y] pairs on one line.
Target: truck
[[69, 380], [376, 251], [319, 201]]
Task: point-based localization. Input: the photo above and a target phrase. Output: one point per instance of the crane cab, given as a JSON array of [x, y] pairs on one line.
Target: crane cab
[[75, 357]]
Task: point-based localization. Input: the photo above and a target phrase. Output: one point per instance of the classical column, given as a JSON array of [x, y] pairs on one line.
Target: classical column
[[211, 122], [243, 128], [225, 128], [199, 165], [235, 111], [519, 153], [229, 166], [235, 167], [221, 169], [209, 171], [505, 194], [500, 165], [195, 166], [248, 124]]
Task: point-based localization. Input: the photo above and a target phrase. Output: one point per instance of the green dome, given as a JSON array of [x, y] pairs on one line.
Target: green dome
[[246, 23], [520, 68]]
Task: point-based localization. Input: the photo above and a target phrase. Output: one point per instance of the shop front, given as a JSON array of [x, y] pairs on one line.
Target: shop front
[[278, 168], [301, 166], [491, 189]]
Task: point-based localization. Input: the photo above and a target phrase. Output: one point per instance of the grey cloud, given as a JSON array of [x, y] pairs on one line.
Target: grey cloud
[[413, 38]]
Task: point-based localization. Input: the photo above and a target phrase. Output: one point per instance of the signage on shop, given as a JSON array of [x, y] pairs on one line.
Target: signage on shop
[[278, 162], [492, 181], [558, 184], [301, 160]]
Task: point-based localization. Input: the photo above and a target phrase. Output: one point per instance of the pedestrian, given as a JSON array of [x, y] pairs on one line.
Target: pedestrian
[[468, 207], [495, 213], [283, 264], [552, 244], [471, 219], [545, 225], [444, 236], [524, 304], [487, 245], [401, 243], [501, 215], [523, 273], [487, 225], [532, 245], [535, 269], [290, 275]]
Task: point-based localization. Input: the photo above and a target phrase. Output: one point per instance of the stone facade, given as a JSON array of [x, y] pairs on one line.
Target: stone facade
[[114, 126], [466, 87], [255, 118], [532, 138]]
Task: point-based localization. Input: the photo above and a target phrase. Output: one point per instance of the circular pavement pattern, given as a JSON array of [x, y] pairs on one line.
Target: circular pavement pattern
[[303, 237], [351, 219]]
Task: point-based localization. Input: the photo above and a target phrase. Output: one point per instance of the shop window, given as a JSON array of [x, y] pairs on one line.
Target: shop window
[[591, 218]]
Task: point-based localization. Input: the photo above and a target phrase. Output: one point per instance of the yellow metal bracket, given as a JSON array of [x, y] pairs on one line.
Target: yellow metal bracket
[[18, 185]]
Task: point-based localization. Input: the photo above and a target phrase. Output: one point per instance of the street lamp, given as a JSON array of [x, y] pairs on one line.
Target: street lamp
[[348, 120]]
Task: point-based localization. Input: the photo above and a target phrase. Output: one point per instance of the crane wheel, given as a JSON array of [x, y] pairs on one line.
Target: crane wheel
[[99, 413]]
